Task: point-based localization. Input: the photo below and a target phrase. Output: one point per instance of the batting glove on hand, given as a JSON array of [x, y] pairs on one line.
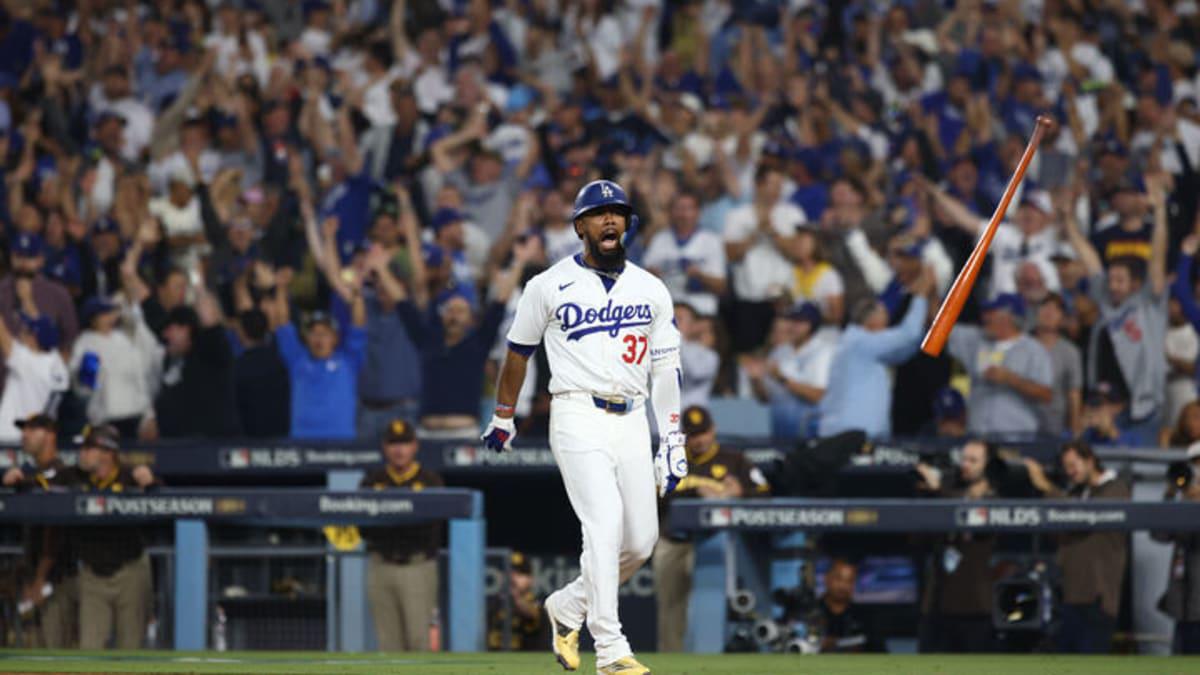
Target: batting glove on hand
[[499, 434], [670, 463]]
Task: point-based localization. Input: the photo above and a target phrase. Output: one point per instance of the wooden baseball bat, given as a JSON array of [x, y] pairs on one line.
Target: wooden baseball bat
[[952, 306]]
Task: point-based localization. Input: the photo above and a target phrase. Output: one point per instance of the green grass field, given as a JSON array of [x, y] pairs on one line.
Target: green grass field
[[538, 664]]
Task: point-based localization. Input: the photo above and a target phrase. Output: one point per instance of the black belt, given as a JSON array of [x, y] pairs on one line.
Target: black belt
[[405, 558]]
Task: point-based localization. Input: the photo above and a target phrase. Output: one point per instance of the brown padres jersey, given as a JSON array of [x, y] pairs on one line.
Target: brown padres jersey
[[104, 548], [399, 543], [711, 469]]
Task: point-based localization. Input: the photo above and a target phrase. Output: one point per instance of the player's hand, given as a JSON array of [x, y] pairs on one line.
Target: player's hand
[[143, 475], [13, 476], [499, 434], [670, 463]]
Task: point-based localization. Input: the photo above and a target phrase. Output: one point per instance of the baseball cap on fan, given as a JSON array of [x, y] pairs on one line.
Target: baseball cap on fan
[[37, 421], [696, 420], [400, 431], [27, 245], [104, 436], [1038, 199]]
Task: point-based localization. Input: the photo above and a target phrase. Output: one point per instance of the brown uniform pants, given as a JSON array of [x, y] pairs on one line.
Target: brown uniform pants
[[673, 562], [122, 599], [402, 599], [60, 615]]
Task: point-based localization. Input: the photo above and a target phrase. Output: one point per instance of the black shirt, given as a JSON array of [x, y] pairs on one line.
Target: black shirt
[[1116, 242], [104, 548], [454, 374], [844, 632], [196, 397], [399, 543], [40, 541], [263, 392]]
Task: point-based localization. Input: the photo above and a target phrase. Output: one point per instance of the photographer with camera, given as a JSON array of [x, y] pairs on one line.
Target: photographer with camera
[[957, 602], [1181, 601], [1092, 563]]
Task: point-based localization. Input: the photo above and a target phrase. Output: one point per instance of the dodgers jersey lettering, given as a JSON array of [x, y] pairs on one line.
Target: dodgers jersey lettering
[[598, 341]]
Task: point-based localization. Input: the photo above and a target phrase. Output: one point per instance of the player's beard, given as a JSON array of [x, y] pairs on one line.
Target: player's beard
[[607, 260]]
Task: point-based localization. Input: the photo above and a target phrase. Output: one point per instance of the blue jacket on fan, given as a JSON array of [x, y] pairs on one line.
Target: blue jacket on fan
[[324, 392]]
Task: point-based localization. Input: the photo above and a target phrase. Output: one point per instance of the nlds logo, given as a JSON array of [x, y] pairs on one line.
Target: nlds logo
[[998, 516]]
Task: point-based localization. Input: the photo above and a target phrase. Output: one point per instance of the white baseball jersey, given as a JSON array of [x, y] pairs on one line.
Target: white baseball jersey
[[600, 341], [33, 377], [671, 256]]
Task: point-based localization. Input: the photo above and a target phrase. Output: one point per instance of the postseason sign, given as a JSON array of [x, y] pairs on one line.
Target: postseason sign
[[933, 515], [296, 507]]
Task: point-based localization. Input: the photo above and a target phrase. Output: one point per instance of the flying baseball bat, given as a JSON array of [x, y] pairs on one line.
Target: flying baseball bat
[[952, 306]]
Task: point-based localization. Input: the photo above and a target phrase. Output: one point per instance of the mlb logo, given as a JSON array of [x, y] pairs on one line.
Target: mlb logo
[[238, 459], [465, 455], [975, 516], [94, 506], [721, 517]]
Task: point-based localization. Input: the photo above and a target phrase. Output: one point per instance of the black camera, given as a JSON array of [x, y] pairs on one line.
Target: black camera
[[1023, 602]]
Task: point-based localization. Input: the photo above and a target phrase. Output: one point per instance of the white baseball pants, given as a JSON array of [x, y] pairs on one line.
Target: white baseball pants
[[608, 471]]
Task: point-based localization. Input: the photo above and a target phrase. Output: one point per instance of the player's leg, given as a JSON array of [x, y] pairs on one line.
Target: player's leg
[[134, 595], [95, 610], [420, 597], [56, 620], [385, 608], [673, 562], [590, 477], [639, 497]]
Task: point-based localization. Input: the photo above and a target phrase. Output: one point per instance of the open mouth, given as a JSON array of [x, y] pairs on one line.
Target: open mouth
[[610, 240]]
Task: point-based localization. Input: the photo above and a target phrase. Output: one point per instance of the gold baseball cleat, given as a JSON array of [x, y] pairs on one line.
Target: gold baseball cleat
[[625, 666], [564, 641]]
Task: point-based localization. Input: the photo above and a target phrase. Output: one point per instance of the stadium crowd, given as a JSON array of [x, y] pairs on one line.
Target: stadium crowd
[[274, 219], [182, 179]]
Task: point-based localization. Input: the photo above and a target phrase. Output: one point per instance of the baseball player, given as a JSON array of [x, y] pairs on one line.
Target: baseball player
[[611, 343]]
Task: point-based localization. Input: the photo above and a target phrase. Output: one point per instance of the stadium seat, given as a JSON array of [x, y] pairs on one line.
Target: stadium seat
[[740, 417]]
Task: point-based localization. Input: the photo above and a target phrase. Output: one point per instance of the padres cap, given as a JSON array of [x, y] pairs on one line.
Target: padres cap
[[400, 431], [105, 437], [696, 420], [38, 421], [520, 563]]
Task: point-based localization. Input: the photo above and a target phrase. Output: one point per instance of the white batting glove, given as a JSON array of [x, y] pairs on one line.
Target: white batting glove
[[670, 463], [499, 434]]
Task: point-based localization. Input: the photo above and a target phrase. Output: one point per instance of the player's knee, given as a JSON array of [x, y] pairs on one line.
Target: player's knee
[[642, 546]]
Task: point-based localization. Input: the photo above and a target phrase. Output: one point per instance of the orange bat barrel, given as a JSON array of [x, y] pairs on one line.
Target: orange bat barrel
[[952, 306]]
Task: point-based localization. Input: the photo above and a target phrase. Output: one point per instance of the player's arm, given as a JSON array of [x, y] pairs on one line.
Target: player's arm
[[666, 380], [512, 376]]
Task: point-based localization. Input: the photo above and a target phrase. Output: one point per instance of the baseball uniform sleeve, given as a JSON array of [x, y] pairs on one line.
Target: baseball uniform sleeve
[[666, 376], [529, 322]]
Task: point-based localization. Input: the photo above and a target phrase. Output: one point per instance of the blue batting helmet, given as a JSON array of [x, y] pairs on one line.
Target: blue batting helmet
[[600, 193], [597, 194]]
